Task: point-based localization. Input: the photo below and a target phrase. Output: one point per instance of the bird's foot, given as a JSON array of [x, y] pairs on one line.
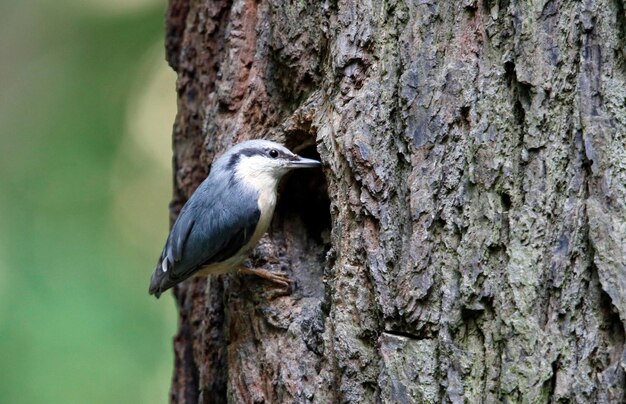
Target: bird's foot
[[281, 279]]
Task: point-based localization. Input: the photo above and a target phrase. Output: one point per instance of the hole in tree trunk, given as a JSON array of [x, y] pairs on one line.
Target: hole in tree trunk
[[303, 217], [304, 197]]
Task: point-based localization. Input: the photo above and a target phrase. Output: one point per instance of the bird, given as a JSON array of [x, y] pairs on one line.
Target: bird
[[226, 215]]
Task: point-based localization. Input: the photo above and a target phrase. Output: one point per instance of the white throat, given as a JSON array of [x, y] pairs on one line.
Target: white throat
[[261, 179]]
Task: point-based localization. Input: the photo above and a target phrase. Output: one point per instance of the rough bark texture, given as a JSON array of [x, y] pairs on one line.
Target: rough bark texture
[[466, 240]]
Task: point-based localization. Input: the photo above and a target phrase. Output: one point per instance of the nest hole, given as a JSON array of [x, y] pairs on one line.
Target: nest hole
[[304, 200], [302, 225]]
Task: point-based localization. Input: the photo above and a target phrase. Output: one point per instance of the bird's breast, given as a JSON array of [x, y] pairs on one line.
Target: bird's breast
[[266, 204]]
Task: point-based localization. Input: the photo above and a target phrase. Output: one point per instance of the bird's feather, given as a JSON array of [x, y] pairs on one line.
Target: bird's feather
[[206, 231]]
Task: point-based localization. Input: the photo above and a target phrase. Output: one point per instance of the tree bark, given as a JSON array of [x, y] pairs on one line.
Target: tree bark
[[465, 241]]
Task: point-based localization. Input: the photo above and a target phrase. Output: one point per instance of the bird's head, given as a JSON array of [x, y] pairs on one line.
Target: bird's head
[[262, 163]]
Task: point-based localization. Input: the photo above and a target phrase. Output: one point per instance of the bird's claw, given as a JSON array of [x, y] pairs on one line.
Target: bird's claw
[[276, 277]]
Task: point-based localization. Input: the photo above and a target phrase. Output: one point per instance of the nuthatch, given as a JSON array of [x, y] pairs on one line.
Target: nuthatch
[[227, 215]]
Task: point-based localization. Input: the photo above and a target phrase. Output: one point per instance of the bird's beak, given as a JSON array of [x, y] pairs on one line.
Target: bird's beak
[[303, 163]]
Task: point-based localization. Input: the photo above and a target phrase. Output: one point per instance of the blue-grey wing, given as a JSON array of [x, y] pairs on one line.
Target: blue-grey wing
[[208, 230]]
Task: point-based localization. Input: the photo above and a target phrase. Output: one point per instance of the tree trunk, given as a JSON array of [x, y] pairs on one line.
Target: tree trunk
[[465, 240]]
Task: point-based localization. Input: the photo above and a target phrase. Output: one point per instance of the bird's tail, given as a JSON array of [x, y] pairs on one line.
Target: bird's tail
[[156, 282]]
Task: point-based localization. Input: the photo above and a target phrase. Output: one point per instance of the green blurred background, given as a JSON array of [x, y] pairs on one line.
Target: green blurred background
[[87, 104]]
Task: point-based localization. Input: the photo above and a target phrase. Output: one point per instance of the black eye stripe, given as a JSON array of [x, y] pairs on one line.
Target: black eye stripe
[[267, 152]]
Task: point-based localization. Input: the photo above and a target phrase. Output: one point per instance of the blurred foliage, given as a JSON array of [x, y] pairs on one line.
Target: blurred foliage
[[87, 104]]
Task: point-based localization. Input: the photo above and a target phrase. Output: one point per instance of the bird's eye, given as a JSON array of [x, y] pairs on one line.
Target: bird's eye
[[273, 153]]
